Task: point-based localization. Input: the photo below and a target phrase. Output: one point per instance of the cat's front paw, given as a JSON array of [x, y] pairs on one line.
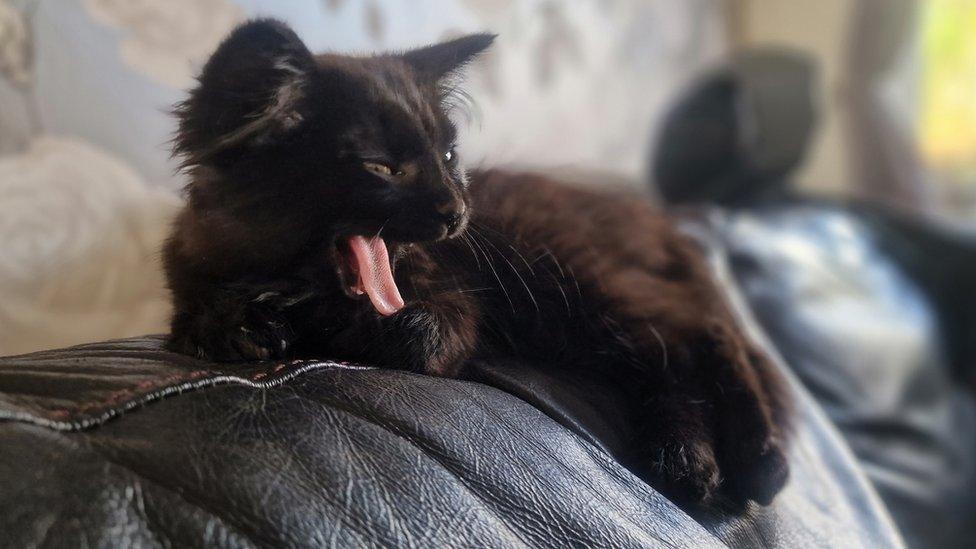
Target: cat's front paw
[[236, 338], [692, 470], [720, 437], [686, 471]]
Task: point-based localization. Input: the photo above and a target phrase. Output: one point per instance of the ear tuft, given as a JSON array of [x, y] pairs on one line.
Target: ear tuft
[[251, 92], [444, 59]]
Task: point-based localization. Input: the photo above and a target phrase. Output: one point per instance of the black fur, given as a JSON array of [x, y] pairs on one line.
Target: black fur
[[291, 154]]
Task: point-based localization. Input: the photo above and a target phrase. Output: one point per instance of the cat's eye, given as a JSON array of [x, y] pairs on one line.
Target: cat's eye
[[449, 155], [377, 168]]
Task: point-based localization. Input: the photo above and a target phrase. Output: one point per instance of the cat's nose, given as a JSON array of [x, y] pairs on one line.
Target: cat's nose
[[453, 223], [452, 212]]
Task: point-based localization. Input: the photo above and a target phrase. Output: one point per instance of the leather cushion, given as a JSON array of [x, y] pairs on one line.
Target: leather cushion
[[122, 442], [856, 326]]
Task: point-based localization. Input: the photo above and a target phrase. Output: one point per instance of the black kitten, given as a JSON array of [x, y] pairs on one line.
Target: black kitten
[[328, 216]]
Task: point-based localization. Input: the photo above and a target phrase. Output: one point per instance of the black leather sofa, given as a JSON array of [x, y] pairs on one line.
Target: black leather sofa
[[122, 443]]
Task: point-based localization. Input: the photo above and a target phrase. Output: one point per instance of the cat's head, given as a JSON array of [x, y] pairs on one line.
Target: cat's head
[[342, 147]]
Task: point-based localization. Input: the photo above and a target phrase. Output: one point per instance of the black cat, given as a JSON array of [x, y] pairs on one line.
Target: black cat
[[328, 216]]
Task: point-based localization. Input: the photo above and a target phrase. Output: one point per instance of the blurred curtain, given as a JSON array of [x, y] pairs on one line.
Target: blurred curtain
[[884, 161]]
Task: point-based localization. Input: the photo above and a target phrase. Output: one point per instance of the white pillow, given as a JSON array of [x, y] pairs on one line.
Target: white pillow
[[80, 234]]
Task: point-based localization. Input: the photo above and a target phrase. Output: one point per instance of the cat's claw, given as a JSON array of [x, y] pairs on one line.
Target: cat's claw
[[688, 472]]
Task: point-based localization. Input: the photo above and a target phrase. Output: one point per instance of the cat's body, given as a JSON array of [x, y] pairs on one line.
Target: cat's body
[[289, 247]]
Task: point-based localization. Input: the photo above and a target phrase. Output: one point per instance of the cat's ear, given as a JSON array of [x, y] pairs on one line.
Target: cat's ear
[[444, 59], [251, 92]]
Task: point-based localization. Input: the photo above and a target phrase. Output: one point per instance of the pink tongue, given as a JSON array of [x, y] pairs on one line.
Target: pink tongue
[[375, 274]]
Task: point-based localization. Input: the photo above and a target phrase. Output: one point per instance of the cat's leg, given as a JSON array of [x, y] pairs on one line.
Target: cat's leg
[[433, 336], [700, 360], [708, 423], [751, 415]]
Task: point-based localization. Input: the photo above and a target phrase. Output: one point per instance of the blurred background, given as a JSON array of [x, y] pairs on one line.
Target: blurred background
[[86, 182], [831, 143]]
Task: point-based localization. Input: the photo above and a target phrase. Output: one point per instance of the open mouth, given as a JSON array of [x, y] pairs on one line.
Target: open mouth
[[365, 269]]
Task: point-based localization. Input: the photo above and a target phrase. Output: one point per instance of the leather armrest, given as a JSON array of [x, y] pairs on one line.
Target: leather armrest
[[123, 442]]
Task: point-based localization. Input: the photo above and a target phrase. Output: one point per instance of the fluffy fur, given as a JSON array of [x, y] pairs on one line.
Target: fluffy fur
[[283, 146]]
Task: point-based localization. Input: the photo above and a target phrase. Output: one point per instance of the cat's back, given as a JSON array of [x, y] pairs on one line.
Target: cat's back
[[537, 210], [556, 246]]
